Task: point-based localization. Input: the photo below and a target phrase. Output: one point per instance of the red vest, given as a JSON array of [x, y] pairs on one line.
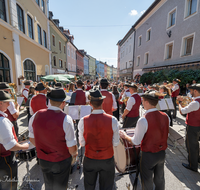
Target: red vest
[[193, 118], [176, 92], [3, 151], [98, 135], [80, 98], [107, 102], [155, 139], [25, 99], [38, 102], [88, 87], [135, 109], [50, 136], [10, 117]]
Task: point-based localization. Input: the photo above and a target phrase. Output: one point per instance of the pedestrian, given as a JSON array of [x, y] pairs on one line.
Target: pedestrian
[[151, 133], [98, 132], [193, 127], [52, 132], [116, 94]]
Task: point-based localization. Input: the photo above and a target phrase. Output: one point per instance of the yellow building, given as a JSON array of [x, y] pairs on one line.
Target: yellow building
[[24, 40], [108, 72]]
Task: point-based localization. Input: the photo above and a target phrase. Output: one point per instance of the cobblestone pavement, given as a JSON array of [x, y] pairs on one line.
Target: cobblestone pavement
[[176, 176]]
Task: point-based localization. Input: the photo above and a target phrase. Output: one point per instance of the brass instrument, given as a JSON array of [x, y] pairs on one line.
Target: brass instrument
[[13, 88], [46, 85], [125, 99], [185, 102]]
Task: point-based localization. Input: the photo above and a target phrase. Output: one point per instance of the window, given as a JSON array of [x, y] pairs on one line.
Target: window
[[191, 7], [53, 39], [39, 35], [38, 2], [146, 58], [172, 18], [30, 27], [46, 70], [3, 10], [64, 50], [65, 65], [188, 45], [140, 41], [69, 66], [20, 16], [138, 60], [60, 63], [4, 69], [45, 39], [148, 34], [43, 6], [168, 51], [54, 60], [29, 70], [60, 46]]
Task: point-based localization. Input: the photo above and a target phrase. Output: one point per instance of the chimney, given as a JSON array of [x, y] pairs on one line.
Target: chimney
[[61, 28], [50, 15], [57, 22]]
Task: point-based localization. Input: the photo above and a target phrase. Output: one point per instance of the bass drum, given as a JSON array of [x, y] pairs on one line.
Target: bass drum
[[124, 154]]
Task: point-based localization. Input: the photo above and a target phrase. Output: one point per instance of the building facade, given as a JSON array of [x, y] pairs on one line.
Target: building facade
[[86, 64], [115, 76], [25, 46], [105, 70], [92, 67], [108, 72], [80, 63], [101, 69]]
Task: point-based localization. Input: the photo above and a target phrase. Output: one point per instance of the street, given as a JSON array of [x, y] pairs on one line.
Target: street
[[176, 176]]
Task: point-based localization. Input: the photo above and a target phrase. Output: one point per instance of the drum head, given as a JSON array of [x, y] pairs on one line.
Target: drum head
[[120, 157]]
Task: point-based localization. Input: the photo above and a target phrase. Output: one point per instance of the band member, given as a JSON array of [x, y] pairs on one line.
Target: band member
[[175, 93], [8, 143], [12, 110], [98, 132], [52, 132], [39, 101], [25, 90], [79, 96], [152, 146], [109, 103], [125, 94], [88, 86], [58, 85], [131, 111], [193, 127]]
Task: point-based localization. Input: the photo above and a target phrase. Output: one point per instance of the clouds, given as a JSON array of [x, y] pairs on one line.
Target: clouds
[[135, 12]]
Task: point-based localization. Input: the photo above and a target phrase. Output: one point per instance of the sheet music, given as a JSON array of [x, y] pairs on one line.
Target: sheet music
[[170, 103], [162, 105], [85, 110], [20, 100], [74, 112], [66, 110]]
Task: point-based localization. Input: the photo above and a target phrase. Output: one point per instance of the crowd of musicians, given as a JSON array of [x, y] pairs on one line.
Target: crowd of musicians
[[52, 132]]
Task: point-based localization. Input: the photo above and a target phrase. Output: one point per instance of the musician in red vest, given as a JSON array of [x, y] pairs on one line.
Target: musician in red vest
[[88, 86], [25, 90], [39, 101], [98, 132], [193, 127], [175, 93], [8, 143], [52, 132], [109, 103], [125, 94], [79, 96], [131, 112], [12, 110], [151, 133]]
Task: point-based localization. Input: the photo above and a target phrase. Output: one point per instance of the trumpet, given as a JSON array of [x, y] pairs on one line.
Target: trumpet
[[13, 88], [185, 102]]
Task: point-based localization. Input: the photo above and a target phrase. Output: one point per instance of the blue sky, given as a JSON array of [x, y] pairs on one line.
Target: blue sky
[[97, 25]]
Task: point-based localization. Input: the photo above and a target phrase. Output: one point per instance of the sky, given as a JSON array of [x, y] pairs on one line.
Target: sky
[[97, 25]]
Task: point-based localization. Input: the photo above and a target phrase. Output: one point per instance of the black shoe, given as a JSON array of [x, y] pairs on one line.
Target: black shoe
[[188, 167]]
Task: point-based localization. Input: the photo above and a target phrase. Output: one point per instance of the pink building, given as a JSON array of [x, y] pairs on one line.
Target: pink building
[[80, 63]]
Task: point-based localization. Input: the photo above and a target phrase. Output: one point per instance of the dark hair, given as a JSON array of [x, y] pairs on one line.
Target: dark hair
[[96, 104], [79, 85], [115, 90], [167, 90], [31, 90], [104, 85], [151, 101]]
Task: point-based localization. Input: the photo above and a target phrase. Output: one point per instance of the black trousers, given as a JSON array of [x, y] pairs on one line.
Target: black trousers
[[16, 128], [105, 169], [175, 109], [130, 122], [56, 174], [8, 171], [152, 170], [192, 145]]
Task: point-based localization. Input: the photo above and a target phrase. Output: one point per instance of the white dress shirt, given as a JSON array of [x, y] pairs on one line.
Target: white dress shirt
[[115, 127], [6, 135], [12, 108], [130, 102], [141, 128], [68, 127], [113, 97], [25, 93], [175, 87], [193, 106]]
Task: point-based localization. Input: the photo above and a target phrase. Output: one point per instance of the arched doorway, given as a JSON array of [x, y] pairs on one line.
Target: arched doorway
[[29, 70], [4, 69]]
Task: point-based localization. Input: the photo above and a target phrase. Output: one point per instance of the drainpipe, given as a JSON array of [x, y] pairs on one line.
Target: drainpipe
[[133, 52]]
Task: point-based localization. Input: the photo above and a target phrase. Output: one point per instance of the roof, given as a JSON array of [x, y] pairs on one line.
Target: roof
[[126, 36]]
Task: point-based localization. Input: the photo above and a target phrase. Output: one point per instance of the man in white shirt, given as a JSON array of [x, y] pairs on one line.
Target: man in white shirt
[[125, 94], [98, 132], [8, 143], [175, 93], [193, 127]]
